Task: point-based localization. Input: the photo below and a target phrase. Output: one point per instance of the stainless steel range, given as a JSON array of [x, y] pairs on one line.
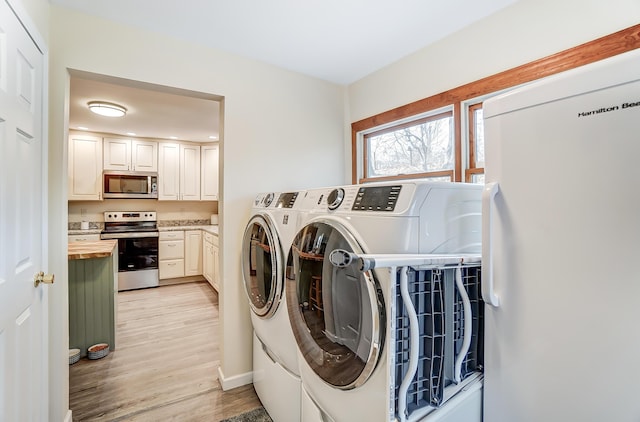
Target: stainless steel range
[[137, 235]]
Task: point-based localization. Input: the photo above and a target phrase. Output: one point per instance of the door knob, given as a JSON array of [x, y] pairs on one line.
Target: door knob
[[41, 277]]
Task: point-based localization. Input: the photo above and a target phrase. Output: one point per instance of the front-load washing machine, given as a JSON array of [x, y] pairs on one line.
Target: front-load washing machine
[[350, 325], [267, 237]]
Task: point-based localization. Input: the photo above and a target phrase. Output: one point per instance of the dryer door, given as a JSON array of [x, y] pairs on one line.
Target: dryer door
[[262, 266], [337, 314]]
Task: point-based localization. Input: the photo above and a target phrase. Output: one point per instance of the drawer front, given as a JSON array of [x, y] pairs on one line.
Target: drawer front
[[83, 237], [171, 235], [172, 268], [170, 249]]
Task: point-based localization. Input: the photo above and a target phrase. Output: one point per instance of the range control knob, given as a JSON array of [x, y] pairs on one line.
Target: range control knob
[[268, 199], [335, 198]]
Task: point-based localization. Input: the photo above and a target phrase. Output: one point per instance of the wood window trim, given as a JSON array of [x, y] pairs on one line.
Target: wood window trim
[[440, 173], [608, 46]]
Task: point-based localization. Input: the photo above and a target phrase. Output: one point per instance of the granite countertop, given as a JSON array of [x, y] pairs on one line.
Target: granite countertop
[[91, 249], [213, 229], [88, 231]]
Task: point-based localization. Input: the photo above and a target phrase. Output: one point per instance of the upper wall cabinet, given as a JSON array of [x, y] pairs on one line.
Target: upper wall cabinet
[[85, 168], [130, 155], [178, 172], [209, 172], [168, 171], [190, 172]]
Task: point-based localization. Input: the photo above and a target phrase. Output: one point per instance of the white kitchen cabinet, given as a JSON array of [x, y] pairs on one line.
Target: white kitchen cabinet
[[192, 252], [144, 155], [216, 264], [189, 172], [85, 168], [207, 257], [90, 237], [168, 171], [210, 156], [116, 154], [178, 172], [210, 259], [171, 254], [130, 155]]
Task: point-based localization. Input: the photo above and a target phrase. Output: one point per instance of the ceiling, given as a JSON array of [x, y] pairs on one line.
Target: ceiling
[[340, 41], [152, 111]]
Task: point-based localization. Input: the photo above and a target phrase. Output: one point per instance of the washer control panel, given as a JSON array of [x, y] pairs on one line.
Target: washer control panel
[[286, 200]]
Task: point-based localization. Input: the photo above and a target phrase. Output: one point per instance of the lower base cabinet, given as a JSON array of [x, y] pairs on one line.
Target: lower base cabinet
[[171, 254], [210, 259], [92, 302]]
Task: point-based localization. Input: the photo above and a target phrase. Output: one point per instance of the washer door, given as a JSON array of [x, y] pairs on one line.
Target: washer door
[[262, 266], [337, 314]]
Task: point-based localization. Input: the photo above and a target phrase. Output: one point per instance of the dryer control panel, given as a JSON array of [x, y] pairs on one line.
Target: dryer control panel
[[377, 198]]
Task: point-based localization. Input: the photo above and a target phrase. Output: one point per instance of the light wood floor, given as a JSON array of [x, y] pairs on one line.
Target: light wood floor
[[165, 364]]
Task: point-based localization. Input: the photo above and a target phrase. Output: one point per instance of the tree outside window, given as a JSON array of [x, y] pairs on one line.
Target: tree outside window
[[420, 148]]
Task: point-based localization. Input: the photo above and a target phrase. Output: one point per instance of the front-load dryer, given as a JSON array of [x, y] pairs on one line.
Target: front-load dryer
[[345, 320], [267, 236]]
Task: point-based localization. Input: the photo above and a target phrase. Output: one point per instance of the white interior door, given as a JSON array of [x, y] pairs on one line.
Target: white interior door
[[23, 307]]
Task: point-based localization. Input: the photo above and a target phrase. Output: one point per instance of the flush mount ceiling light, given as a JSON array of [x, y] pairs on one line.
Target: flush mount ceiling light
[[107, 109]]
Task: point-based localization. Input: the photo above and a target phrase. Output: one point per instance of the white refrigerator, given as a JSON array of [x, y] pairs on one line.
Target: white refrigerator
[[561, 247]]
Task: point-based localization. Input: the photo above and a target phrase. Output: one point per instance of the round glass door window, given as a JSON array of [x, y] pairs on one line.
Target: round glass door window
[[337, 314], [261, 266]]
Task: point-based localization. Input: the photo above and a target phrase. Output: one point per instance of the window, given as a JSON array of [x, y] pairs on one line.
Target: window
[[435, 146], [419, 148], [475, 166]]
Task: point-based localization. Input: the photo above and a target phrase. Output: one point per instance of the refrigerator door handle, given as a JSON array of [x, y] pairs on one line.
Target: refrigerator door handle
[[489, 193]]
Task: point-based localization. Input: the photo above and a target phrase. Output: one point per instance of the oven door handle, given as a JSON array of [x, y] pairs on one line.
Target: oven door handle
[[138, 235]]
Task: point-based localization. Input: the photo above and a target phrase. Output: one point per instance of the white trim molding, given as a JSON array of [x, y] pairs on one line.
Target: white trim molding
[[234, 381]]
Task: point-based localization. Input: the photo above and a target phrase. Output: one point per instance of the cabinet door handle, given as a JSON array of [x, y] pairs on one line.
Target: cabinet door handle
[[172, 264]]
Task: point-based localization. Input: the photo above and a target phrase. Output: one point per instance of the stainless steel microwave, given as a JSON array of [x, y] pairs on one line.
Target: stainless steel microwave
[[130, 184]]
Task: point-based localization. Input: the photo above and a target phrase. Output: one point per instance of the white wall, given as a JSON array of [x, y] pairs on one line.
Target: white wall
[[282, 131], [523, 32]]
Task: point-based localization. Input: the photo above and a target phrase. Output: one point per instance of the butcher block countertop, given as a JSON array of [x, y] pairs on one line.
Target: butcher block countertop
[[91, 249]]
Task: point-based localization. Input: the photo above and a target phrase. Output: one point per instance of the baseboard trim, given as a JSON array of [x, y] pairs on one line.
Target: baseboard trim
[[180, 280], [234, 381], [68, 417]]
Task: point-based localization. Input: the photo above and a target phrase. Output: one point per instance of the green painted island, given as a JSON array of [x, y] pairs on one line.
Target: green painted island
[[93, 286]]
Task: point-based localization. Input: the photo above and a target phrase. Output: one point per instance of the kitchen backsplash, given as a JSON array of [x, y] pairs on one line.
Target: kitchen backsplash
[[98, 225], [169, 213], [93, 225], [176, 223]]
